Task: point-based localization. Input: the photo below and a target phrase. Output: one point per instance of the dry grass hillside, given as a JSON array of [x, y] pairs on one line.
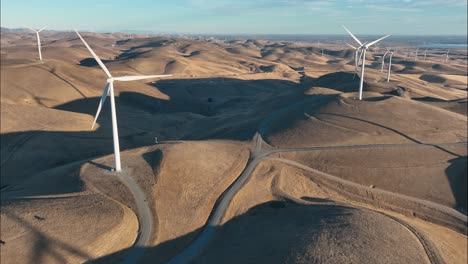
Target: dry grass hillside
[[377, 119], [252, 151]]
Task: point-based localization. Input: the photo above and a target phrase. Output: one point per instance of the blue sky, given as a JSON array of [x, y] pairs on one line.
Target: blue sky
[[397, 17]]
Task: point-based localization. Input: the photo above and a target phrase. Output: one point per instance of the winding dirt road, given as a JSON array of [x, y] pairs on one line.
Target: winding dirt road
[[145, 218], [259, 155]]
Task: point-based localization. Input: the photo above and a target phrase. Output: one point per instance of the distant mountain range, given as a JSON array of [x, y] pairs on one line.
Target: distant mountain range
[[421, 41]]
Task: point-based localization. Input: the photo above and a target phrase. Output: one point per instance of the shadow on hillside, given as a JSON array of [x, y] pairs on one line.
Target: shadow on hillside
[[436, 100], [91, 62], [226, 249], [156, 43], [457, 177], [198, 109], [346, 54], [43, 246], [432, 78], [130, 55], [340, 81], [154, 160]]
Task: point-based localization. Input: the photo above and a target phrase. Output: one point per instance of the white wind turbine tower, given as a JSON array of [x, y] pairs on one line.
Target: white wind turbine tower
[[416, 55], [364, 47], [38, 40], [389, 65], [318, 44], [110, 89], [425, 53], [383, 60], [360, 50], [446, 56]]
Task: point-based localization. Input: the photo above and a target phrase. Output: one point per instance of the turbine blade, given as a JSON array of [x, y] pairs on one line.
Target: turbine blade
[[351, 46], [134, 78], [42, 29], [356, 39], [95, 56], [101, 103], [32, 29], [375, 41]]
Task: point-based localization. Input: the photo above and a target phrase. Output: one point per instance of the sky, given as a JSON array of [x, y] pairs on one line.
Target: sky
[[377, 17]]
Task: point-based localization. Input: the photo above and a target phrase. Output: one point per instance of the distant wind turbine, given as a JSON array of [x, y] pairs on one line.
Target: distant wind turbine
[[425, 53], [356, 54], [318, 44], [38, 40], [389, 65], [383, 60], [446, 56], [109, 88], [364, 47], [416, 55], [356, 59]]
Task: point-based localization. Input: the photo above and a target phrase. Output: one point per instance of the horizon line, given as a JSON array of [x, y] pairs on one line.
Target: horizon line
[[134, 31]]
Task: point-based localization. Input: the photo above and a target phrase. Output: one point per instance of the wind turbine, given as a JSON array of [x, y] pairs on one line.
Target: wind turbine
[[383, 60], [318, 44], [416, 55], [38, 40], [356, 60], [360, 49], [364, 47], [109, 88], [425, 53], [389, 65], [446, 56]]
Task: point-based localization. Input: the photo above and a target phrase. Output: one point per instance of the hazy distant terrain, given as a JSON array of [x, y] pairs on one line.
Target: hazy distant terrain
[[264, 154]]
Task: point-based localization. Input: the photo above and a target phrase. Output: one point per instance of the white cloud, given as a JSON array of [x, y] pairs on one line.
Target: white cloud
[[394, 9]]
